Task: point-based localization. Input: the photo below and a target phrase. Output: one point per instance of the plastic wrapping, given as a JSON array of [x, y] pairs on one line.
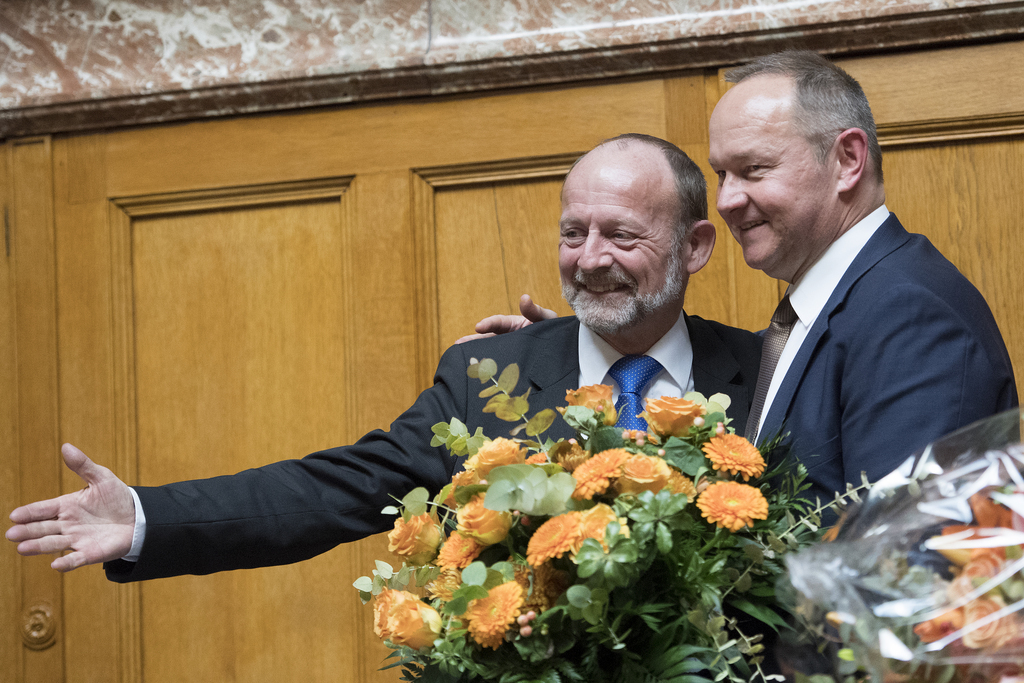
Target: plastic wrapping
[[925, 578]]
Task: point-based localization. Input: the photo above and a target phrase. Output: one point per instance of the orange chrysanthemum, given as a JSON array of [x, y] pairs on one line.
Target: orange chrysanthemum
[[594, 476], [489, 618], [733, 454], [548, 584], [538, 459], [458, 552], [680, 483], [732, 505], [554, 538]]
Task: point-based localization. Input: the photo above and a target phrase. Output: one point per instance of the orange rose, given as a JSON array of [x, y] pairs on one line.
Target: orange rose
[[993, 634], [495, 454], [415, 541], [984, 563], [989, 513], [487, 527], [941, 626], [597, 397], [404, 619], [670, 416], [593, 523], [643, 473]]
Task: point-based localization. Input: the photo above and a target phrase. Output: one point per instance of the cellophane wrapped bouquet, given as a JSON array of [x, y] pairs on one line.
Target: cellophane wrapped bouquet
[[925, 578], [613, 556]]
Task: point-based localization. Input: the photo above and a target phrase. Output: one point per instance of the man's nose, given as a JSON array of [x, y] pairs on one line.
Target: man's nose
[[596, 253], [731, 195]]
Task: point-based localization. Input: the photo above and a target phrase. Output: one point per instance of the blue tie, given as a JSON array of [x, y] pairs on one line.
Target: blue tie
[[632, 374]]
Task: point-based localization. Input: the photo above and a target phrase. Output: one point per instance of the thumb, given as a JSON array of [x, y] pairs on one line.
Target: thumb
[[79, 463]]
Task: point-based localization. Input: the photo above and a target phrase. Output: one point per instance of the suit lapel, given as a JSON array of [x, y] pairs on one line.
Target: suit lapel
[[889, 237], [715, 369]]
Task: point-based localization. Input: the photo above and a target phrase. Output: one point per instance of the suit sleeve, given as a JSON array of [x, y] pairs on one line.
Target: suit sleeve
[[293, 510], [914, 368]]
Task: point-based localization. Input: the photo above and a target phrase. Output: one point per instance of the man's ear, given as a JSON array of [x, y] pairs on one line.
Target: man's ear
[[851, 148], [701, 243]]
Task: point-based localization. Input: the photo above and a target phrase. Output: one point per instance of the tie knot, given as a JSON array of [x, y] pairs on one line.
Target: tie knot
[[784, 313], [633, 373]]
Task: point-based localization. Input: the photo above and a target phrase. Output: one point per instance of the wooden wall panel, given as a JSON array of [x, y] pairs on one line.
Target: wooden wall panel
[[32, 245], [10, 479]]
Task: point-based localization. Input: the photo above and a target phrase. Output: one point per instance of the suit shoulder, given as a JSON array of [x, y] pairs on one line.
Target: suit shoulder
[[733, 337]]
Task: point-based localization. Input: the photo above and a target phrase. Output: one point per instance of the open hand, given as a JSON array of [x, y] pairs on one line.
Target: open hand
[[96, 524]]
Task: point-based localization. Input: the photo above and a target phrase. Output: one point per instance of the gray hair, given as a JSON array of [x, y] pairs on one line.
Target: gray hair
[[828, 100]]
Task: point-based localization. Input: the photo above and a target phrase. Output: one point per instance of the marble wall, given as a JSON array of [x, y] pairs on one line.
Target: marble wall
[[80, 64]]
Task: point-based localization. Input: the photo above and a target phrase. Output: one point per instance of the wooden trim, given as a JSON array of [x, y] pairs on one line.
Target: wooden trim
[[424, 184], [946, 130], [1003, 21], [230, 197]]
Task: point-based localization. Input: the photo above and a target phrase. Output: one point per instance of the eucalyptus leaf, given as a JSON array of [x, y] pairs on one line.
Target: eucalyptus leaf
[[509, 378]]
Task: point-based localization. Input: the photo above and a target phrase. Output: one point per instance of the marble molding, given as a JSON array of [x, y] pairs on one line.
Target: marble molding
[[76, 65]]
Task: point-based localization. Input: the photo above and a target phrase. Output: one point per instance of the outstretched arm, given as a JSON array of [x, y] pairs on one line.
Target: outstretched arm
[[96, 524], [500, 324]]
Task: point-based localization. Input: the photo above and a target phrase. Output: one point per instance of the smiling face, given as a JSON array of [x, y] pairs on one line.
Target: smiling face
[[620, 265], [780, 203]]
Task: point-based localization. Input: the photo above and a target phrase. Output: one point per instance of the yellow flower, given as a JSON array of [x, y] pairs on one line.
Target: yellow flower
[[680, 483], [597, 397], [568, 454], [404, 619], [554, 538], [489, 618], [486, 527], [445, 584], [548, 585], [415, 541], [540, 458], [733, 454], [458, 552], [732, 505], [495, 454], [594, 476], [669, 416], [643, 473]]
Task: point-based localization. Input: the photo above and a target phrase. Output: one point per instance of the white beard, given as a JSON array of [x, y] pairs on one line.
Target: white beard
[[605, 318]]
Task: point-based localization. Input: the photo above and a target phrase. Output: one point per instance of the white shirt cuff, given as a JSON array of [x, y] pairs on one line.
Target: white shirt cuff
[[139, 535]]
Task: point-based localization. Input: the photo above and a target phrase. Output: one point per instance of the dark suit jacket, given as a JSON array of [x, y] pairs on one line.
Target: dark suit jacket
[[292, 510], [905, 351]]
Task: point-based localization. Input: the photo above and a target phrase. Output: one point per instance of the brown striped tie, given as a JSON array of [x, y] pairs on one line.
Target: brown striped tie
[[774, 340]]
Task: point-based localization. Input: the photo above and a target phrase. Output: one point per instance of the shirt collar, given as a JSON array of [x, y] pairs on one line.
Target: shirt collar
[[810, 294], [673, 351]]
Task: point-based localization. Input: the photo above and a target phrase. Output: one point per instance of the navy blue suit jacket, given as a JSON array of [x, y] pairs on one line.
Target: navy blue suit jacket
[[905, 351], [295, 509]]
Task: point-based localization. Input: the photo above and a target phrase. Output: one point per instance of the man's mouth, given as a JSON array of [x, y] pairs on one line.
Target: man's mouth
[[749, 225]]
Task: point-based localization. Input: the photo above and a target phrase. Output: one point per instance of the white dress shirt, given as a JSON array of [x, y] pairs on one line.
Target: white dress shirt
[[673, 351], [811, 292]]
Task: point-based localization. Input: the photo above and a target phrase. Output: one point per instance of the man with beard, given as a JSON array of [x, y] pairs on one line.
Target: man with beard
[[633, 228]]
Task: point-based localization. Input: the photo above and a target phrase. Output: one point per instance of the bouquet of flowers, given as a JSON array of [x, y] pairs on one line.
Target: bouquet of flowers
[[925, 579], [614, 556]]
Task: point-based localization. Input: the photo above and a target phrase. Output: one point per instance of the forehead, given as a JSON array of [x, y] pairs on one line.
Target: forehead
[[754, 115], [636, 179]]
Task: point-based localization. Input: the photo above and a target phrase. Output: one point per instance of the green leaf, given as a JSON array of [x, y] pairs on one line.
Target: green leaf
[[490, 391], [484, 370], [385, 570], [578, 596], [363, 584], [605, 438], [761, 612], [664, 538], [475, 574]]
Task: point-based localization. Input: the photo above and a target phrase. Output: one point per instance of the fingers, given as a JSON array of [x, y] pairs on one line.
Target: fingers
[[46, 545], [471, 337], [33, 531], [35, 512], [79, 463], [532, 311]]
